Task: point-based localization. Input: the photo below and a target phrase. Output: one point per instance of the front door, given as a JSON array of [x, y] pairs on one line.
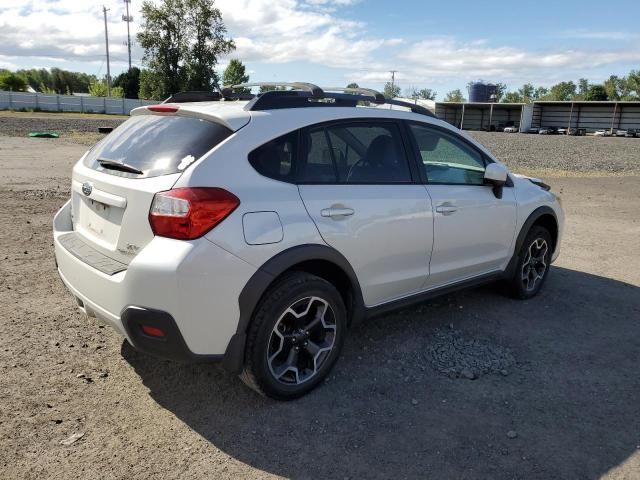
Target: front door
[[473, 230], [358, 188]]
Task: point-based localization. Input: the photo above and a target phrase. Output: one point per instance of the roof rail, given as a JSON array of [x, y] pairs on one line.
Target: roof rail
[[377, 96], [304, 86], [300, 95]]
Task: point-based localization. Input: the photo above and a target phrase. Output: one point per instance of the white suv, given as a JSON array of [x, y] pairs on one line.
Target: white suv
[[256, 232]]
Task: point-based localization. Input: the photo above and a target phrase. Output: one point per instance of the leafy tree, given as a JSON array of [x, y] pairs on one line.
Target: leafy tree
[[129, 82], [99, 89], [501, 89], [235, 73], [427, 94], [540, 93], [583, 89], [13, 82], [562, 91], [631, 86], [182, 40], [455, 96], [595, 93], [513, 97], [613, 86], [353, 85], [391, 91]]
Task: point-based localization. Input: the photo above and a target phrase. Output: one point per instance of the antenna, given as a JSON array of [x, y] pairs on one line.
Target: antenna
[[128, 18], [106, 41]]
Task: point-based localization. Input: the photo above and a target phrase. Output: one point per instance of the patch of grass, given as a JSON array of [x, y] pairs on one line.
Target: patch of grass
[[53, 115]]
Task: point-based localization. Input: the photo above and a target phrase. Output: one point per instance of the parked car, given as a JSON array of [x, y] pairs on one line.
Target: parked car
[[533, 130], [561, 131], [256, 233], [621, 133], [602, 133], [511, 130], [578, 132], [632, 133], [548, 131]]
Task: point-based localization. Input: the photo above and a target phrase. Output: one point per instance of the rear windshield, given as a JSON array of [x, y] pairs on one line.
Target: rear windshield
[[155, 145]]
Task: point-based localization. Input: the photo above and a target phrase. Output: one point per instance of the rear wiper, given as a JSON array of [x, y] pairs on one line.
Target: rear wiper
[[114, 165]]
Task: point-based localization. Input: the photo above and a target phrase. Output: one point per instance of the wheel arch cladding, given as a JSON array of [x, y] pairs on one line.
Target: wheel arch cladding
[[543, 216], [320, 260]]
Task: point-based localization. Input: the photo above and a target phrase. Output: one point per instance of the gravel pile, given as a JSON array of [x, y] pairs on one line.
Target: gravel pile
[[450, 353], [551, 153]]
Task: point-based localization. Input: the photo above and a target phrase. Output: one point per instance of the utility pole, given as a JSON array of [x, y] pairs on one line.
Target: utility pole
[[128, 18], [393, 78], [106, 40]]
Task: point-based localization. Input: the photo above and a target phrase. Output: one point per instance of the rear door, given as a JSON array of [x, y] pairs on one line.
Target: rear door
[[473, 230], [359, 188], [114, 184]]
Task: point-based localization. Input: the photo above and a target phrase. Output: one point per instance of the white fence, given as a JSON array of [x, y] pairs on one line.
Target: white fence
[[69, 103]]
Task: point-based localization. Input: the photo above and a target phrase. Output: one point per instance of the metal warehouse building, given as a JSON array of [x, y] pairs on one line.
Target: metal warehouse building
[[485, 116], [495, 116], [588, 115]]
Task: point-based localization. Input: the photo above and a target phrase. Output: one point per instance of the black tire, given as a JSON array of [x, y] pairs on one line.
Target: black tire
[[532, 264], [276, 337]]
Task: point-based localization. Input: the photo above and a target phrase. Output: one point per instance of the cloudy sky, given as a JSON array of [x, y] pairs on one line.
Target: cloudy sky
[[435, 44]]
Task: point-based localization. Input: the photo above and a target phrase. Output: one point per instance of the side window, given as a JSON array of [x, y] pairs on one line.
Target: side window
[[318, 166], [275, 159], [446, 159], [356, 153]]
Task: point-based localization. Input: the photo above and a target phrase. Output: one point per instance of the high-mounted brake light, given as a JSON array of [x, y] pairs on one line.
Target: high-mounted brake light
[[189, 213], [163, 108]]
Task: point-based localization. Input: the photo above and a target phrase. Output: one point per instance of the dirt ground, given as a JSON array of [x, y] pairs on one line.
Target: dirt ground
[[564, 404]]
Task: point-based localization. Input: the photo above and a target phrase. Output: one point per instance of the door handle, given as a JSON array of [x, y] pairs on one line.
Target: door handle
[[446, 209], [336, 212]]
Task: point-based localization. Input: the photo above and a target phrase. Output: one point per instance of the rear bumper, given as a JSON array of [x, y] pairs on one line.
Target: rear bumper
[[196, 284]]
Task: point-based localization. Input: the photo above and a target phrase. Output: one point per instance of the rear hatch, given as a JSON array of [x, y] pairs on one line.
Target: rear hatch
[[114, 183]]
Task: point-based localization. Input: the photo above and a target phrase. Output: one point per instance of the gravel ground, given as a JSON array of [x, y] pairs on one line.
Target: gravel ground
[[470, 385], [529, 154], [558, 155]]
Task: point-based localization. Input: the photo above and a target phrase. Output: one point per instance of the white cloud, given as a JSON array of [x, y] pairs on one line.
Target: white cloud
[[311, 31]]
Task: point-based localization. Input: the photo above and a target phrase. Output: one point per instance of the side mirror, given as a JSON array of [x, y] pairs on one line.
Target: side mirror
[[496, 174]]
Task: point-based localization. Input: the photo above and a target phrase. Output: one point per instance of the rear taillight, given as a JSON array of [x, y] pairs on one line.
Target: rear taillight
[[188, 213]]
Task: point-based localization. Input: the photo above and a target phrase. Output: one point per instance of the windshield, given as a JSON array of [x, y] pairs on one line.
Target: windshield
[[155, 145]]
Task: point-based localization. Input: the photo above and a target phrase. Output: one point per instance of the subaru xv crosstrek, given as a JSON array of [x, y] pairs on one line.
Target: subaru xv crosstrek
[[256, 231]]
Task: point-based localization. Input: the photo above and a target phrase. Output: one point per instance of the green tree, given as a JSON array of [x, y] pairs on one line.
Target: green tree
[[595, 93], [455, 96], [13, 82], [391, 91], [129, 81], [501, 89], [513, 97], [583, 89], [562, 91], [234, 74], [613, 87], [630, 86], [99, 89], [182, 41], [353, 85], [540, 93], [527, 93]]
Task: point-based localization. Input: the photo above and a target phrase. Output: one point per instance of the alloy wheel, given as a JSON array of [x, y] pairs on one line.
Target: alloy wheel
[[301, 341], [534, 265]]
